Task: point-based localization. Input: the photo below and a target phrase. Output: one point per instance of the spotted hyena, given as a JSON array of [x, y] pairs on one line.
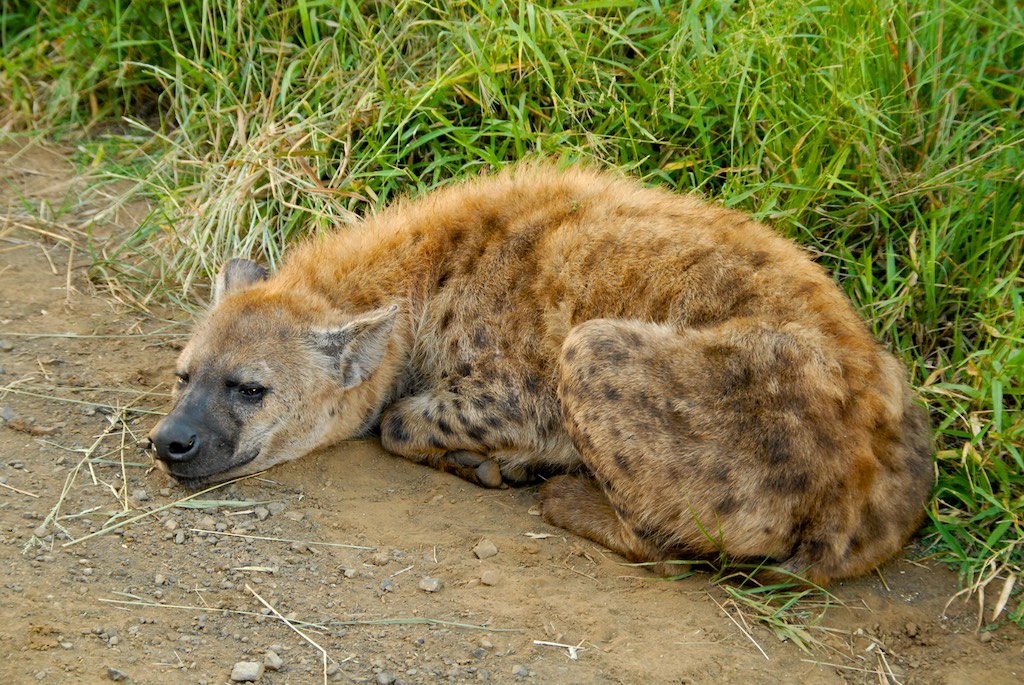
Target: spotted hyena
[[687, 381]]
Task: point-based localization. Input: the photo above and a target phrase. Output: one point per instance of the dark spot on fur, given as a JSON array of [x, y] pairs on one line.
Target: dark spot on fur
[[532, 383], [464, 369], [620, 512], [483, 401], [609, 350], [805, 288], [436, 443], [395, 428], [494, 421], [784, 481], [776, 447], [719, 353], [570, 353], [735, 378], [611, 394], [758, 259], [721, 472], [727, 505], [583, 441], [623, 463], [653, 535], [446, 318], [813, 550], [476, 433], [442, 280], [480, 338], [456, 404], [444, 427], [855, 546]]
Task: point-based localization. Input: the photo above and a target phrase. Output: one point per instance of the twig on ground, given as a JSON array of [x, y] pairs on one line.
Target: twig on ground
[[323, 652], [23, 492], [272, 539], [573, 650], [741, 628]]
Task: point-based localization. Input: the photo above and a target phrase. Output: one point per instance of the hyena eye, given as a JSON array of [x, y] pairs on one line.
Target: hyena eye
[[182, 378], [252, 391]]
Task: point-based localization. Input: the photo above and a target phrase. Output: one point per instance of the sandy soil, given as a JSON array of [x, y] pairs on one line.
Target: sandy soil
[[342, 543]]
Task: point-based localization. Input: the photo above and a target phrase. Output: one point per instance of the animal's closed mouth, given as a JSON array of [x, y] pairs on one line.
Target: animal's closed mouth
[[192, 480]]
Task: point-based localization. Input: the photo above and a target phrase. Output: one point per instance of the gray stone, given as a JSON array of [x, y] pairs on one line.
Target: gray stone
[[429, 584], [246, 671], [272, 661], [485, 549], [116, 675]]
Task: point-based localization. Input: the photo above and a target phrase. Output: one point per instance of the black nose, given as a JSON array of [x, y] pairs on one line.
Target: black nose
[[175, 443]]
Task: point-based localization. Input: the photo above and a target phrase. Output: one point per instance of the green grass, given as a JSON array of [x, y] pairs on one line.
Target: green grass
[[884, 136]]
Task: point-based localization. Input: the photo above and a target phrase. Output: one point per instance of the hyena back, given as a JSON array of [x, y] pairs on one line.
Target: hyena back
[[690, 381]]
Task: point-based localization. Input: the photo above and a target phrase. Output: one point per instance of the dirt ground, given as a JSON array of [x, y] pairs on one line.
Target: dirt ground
[[329, 560]]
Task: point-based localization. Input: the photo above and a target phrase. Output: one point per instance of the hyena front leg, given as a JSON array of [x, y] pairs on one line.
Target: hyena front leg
[[469, 435], [701, 442]]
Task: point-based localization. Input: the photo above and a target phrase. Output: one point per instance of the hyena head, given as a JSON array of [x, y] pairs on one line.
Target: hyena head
[[269, 376]]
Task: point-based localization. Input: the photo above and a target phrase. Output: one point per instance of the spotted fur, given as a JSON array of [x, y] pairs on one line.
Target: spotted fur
[[689, 382]]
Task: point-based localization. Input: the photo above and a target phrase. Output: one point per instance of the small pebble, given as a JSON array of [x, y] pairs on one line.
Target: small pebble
[[912, 630], [485, 549], [272, 661], [116, 675], [380, 558], [429, 584], [985, 638], [520, 670], [261, 513], [246, 671], [490, 578], [387, 586], [385, 678], [6, 346]]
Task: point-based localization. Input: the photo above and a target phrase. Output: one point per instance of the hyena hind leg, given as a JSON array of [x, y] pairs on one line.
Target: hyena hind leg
[[576, 503], [704, 442]]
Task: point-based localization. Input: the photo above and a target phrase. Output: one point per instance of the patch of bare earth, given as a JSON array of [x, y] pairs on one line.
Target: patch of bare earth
[[351, 564]]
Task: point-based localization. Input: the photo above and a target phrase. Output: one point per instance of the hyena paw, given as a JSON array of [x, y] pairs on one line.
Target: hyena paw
[[474, 467]]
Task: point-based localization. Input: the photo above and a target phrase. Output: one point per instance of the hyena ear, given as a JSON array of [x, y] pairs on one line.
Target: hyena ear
[[358, 347], [235, 276]]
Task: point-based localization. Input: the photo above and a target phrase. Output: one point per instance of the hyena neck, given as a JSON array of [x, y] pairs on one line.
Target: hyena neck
[[376, 264], [359, 408]]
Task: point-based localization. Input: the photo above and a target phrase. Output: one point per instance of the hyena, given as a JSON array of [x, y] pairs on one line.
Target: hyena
[[687, 382]]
